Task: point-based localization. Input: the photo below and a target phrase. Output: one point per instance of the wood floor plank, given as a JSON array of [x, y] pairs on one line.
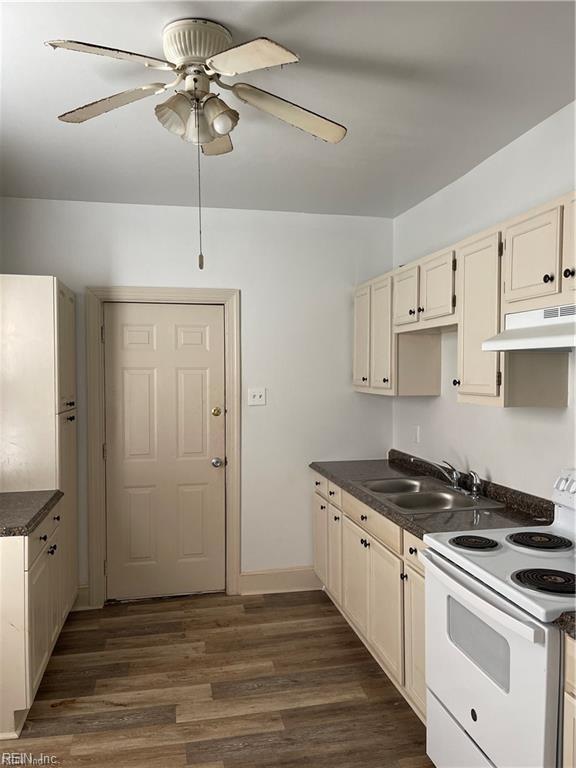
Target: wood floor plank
[[216, 681]]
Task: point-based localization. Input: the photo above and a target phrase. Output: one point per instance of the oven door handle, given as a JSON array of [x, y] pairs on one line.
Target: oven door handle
[[526, 630]]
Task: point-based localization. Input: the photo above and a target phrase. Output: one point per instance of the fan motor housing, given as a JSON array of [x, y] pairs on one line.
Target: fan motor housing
[[192, 41]]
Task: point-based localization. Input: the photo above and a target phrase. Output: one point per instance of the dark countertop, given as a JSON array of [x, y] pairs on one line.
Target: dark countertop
[[567, 623], [349, 474], [22, 511]]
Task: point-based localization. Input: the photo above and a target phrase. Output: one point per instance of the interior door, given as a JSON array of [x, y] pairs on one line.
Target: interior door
[[437, 286], [320, 523], [165, 448], [385, 608], [479, 315], [405, 300], [361, 364], [532, 256], [355, 565], [381, 334]]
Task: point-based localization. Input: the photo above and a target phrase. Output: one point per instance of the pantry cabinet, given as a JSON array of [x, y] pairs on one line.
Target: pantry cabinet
[[414, 638], [406, 295], [478, 316], [532, 255], [385, 629], [361, 366]]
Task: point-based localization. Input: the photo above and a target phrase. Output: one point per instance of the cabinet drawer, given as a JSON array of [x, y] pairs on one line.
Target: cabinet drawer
[[319, 484], [36, 542], [413, 545], [372, 522], [570, 665], [334, 494]]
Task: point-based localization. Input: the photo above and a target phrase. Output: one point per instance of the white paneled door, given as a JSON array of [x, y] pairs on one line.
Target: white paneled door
[[165, 430]]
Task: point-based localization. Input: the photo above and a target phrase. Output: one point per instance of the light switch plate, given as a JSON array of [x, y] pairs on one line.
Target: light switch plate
[[257, 396]]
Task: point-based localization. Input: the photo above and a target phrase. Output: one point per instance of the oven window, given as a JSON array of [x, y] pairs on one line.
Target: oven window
[[485, 647]]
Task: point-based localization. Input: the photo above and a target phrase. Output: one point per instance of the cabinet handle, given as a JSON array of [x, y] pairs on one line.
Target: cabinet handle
[[363, 517], [548, 278], [413, 550], [336, 518], [411, 311], [363, 541], [403, 576], [317, 482], [456, 382], [366, 543], [420, 309], [57, 518], [569, 272], [385, 381], [52, 549], [70, 418], [331, 493], [322, 506], [364, 378], [70, 403], [44, 538]]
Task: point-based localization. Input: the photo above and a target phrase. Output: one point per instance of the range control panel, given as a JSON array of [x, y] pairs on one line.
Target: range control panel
[[564, 492]]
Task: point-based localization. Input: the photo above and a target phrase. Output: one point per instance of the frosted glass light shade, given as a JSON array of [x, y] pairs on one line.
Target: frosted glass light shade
[[174, 113], [197, 130], [221, 118]]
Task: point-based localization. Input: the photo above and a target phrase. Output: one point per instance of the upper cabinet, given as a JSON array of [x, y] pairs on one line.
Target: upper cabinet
[[406, 294], [478, 316], [532, 254], [65, 350], [569, 249], [361, 366], [424, 292]]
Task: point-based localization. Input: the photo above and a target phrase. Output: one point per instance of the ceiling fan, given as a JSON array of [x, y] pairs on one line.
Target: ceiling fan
[[200, 52]]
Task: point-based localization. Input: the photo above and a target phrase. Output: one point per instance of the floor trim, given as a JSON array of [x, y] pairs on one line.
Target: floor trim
[[82, 602], [288, 580]]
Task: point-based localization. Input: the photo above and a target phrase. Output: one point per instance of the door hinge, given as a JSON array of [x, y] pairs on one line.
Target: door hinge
[[453, 300], [102, 334], [499, 379], [454, 265], [104, 451], [501, 248]]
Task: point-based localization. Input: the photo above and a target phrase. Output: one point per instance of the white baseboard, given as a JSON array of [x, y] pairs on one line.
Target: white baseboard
[[83, 599], [288, 580]]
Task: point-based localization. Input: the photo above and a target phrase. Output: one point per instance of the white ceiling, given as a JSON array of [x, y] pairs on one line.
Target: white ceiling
[[427, 90]]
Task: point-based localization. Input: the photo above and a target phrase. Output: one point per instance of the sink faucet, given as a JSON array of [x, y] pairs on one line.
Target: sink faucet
[[449, 472], [476, 484]]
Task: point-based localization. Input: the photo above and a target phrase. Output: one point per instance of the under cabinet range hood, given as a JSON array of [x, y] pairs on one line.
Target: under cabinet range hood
[[551, 328]]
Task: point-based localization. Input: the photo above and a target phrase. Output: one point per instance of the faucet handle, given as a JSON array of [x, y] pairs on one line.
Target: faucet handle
[[450, 466]]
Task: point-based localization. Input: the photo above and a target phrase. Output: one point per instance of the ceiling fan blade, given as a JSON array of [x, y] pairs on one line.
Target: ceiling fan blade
[[95, 108], [114, 53], [220, 146], [318, 126], [248, 57]]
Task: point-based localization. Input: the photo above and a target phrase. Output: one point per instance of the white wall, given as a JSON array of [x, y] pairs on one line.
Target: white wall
[[524, 447], [296, 273]]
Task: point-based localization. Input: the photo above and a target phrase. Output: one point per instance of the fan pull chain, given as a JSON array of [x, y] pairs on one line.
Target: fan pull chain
[[200, 254]]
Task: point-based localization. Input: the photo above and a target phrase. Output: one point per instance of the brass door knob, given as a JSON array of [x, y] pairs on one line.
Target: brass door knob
[[217, 411]]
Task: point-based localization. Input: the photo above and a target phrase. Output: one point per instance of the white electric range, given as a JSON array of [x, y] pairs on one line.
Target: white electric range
[[493, 657]]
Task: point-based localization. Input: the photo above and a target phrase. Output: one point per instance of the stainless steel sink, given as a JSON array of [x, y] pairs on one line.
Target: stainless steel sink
[[433, 501], [393, 485]]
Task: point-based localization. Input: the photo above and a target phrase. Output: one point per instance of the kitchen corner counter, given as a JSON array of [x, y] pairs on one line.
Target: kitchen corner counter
[[22, 511], [349, 475], [567, 623]]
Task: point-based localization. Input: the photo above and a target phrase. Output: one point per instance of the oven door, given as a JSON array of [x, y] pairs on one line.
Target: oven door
[[493, 667]]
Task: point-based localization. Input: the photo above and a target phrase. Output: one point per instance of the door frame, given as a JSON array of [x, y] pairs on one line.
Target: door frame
[[96, 475]]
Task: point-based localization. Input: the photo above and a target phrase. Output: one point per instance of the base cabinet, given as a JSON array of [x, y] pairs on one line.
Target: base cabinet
[[320, 525], [415, 669], [385, 608], [334, 578], [355, 574]]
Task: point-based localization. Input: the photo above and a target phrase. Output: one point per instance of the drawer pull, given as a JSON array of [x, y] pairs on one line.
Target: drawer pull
[[569, 272], [366, 543], [317, 482], [70, 418], [413, 551], [363, 541], [456, 382], [548, 278], [70, 403], [52, 549], [44, 538], [363, 517], [336, 518], [322, 506], [57, 518], [364, 378], [331, 493], [403, 576]]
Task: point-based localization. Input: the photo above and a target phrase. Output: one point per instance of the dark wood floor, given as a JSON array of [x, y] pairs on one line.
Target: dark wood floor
[[219, 682]]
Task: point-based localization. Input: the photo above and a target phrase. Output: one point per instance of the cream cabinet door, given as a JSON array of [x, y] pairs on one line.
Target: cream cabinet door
[[65, 347], [569, 249], [479, 315], [334, 583], [355, 573], [437, 286], [320, 525], [405, 298], [569, 756], [67, 508], [385, 608], [40, 596], [532, 256], [414, 638], [361, 365], [381, 334]]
